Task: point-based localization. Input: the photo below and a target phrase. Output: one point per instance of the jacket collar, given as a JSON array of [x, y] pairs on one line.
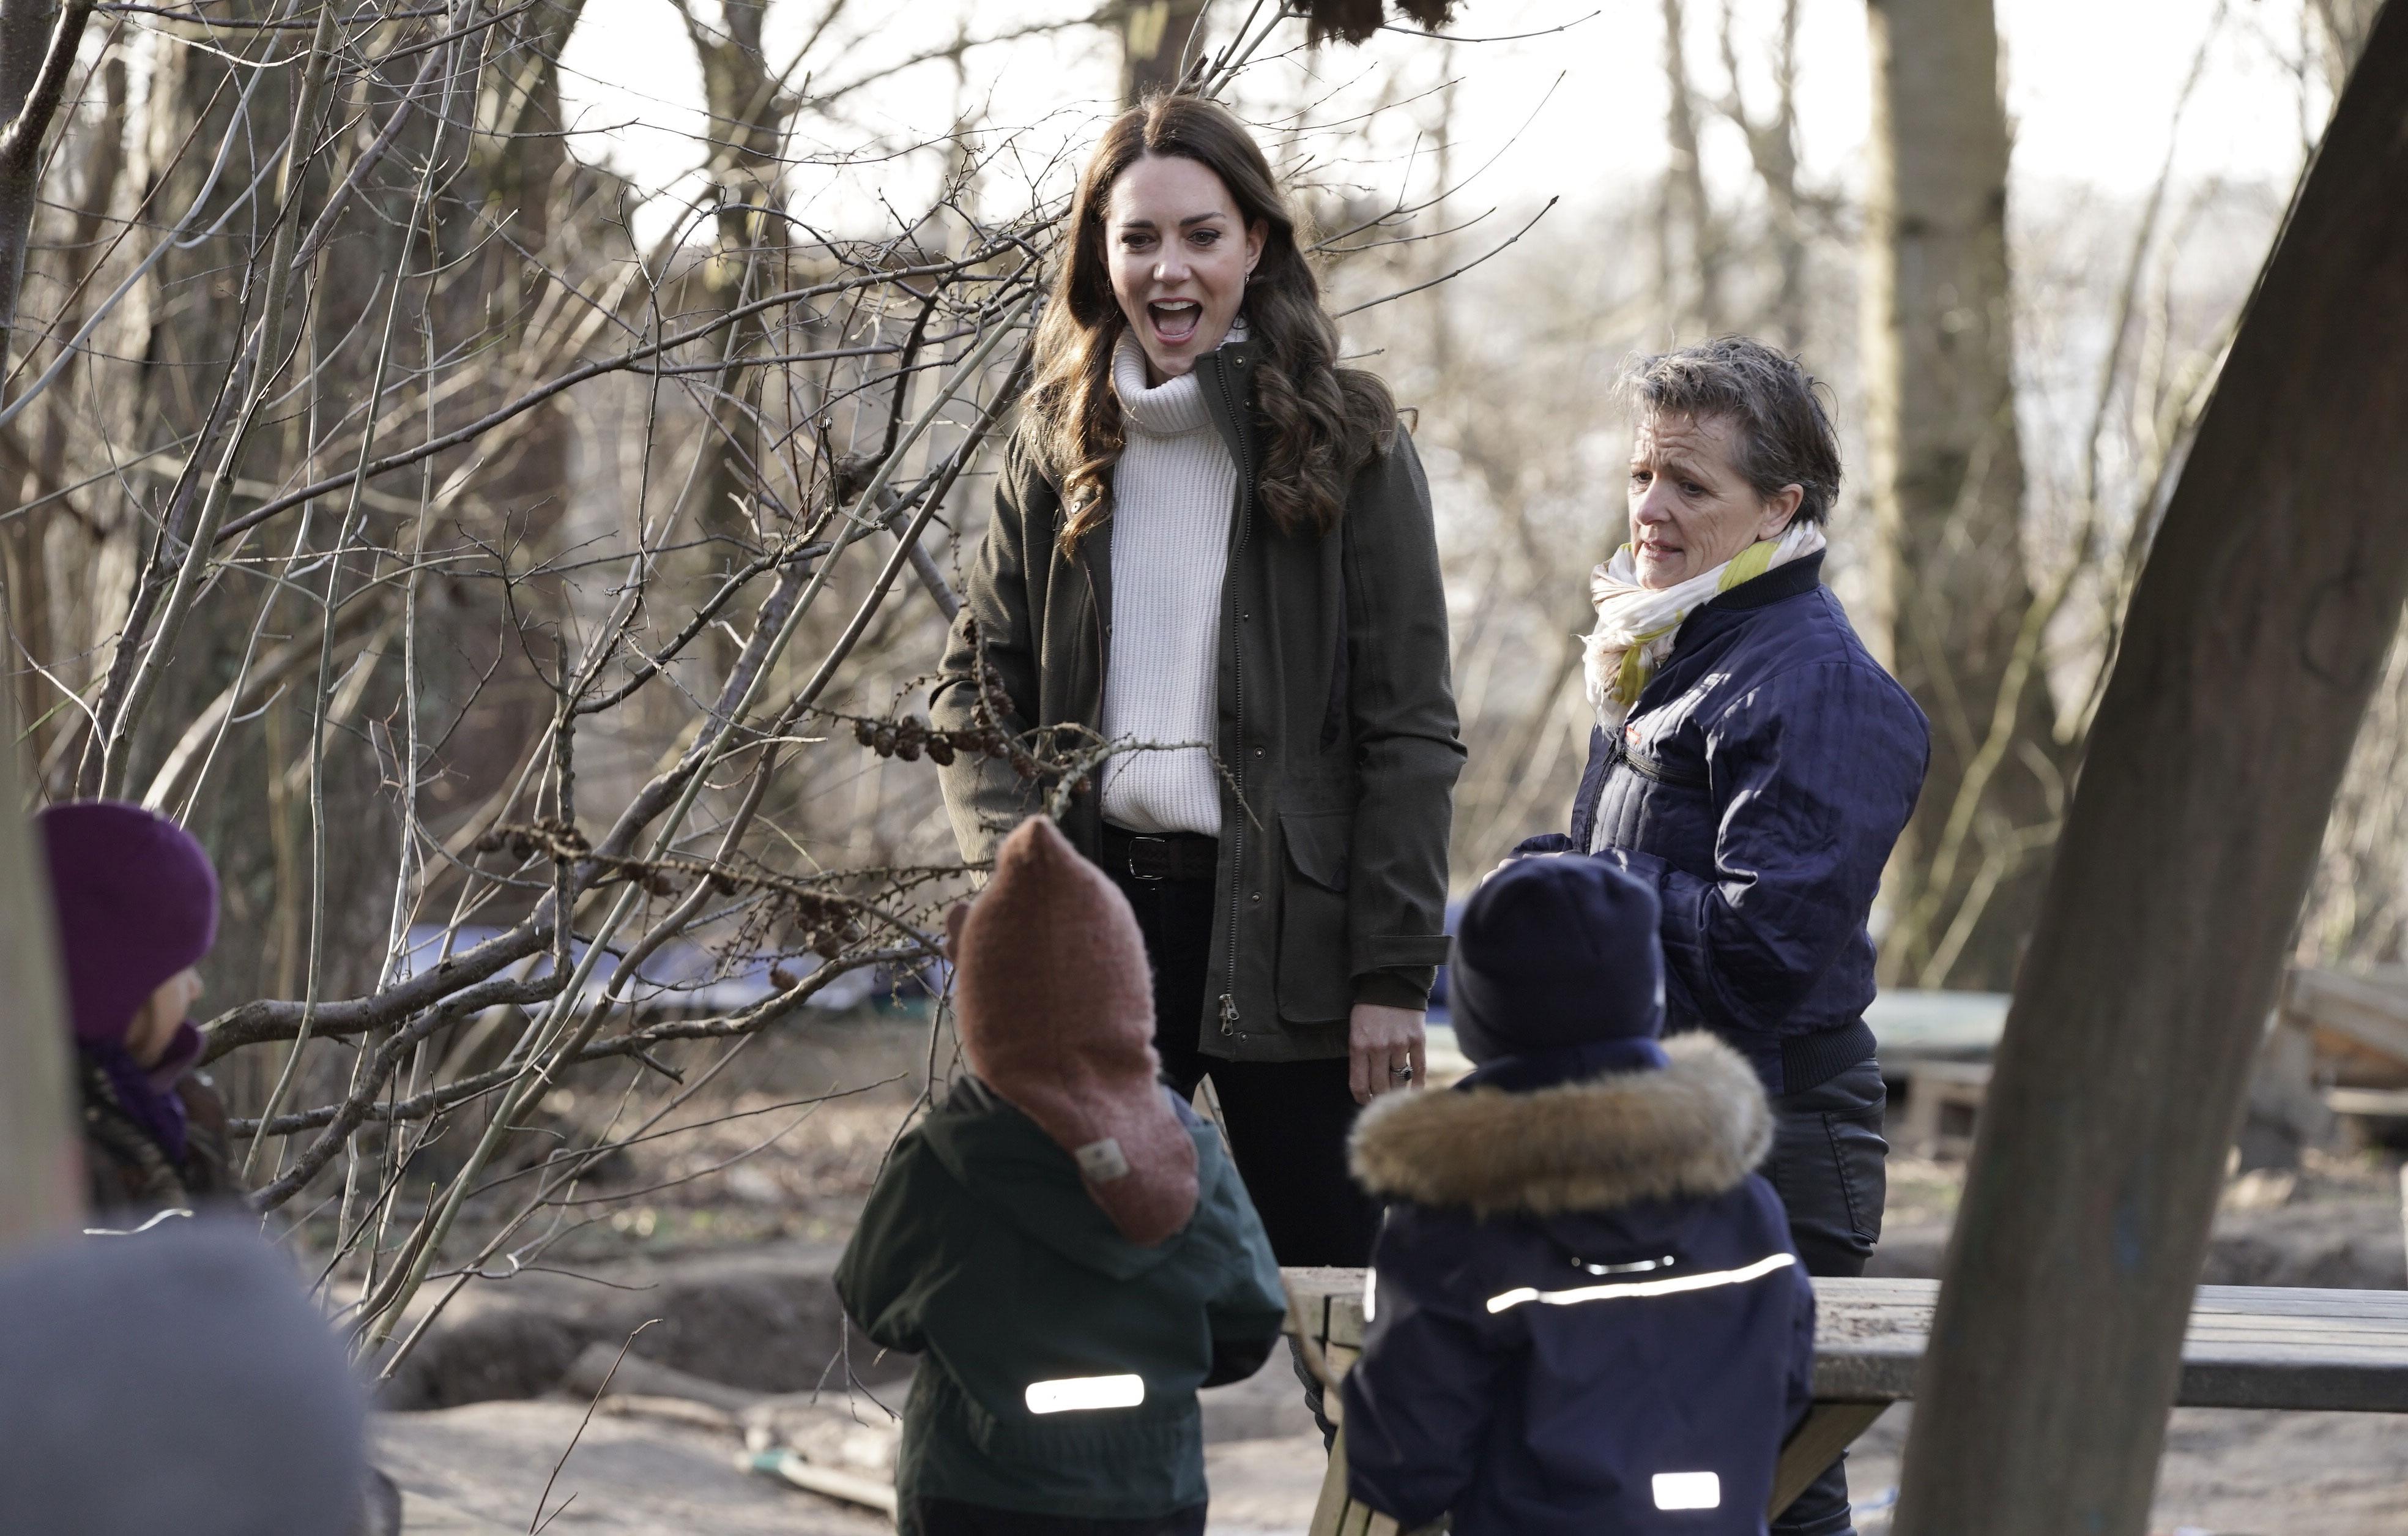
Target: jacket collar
[[1778, 585], [1526, 1071], [1727, 612], [1695, 1129], [1227, 375], [1226, 378]]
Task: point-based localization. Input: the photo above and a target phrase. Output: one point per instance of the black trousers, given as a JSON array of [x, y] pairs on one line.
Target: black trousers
[[1287, 1120], [1828, 1164], [950, 1518]]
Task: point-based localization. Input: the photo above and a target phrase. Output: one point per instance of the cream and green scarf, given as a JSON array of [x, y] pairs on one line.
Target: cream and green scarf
[[1636, 625]]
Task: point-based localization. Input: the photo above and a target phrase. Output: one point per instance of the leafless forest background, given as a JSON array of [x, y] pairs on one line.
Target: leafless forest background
[[527, 584]]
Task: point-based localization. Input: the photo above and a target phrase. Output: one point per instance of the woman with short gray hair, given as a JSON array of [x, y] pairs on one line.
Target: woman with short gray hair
[[1754, 763]]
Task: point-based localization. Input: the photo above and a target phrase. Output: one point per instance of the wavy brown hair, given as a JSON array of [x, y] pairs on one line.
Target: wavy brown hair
[[1326, 422]]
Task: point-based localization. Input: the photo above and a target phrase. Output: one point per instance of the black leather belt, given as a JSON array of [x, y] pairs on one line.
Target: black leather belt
[[1172, 855]]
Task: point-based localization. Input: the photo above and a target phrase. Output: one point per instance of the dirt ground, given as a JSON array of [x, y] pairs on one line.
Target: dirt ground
[[726, 1231]]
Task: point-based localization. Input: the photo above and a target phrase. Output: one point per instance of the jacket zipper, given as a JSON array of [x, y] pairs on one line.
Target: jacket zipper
[[1103, 670], [1229, 1019], [1647, 767]]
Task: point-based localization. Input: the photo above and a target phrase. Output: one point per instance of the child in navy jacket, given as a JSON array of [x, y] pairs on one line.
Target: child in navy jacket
[[1585, 1314]]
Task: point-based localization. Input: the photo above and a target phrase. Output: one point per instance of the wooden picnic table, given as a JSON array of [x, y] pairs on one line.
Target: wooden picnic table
[[2249, 1346]]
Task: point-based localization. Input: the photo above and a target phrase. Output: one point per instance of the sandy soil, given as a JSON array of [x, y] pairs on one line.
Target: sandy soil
[[2226, 1473], [479, 1469], [765, 1187]]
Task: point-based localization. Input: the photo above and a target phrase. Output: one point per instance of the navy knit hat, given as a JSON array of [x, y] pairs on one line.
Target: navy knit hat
[[1556, 952]]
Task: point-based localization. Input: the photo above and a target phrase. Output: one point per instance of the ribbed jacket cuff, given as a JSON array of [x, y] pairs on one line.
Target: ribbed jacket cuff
[[1809, 1061], [1395, 989]]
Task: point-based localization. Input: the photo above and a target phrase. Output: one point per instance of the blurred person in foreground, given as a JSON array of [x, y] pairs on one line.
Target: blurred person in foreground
[[177, 1383], [136, 901], [1754, 765], [1585, 1314], [201, 1389], [1063, 1241]]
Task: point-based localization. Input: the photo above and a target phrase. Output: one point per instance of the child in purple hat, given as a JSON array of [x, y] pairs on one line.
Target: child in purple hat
[[137, 908]]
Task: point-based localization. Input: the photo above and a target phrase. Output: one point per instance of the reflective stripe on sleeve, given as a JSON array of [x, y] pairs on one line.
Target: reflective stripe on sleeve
[[1078, 1394], [1621, 1289]]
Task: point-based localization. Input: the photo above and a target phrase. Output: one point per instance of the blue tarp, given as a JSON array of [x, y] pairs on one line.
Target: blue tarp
[[681, 976]]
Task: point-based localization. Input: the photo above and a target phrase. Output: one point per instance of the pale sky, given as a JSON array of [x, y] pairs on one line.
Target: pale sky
[[2091, 88]]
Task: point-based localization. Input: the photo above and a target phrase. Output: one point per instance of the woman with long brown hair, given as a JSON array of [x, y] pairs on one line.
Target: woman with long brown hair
[[1213, 544]]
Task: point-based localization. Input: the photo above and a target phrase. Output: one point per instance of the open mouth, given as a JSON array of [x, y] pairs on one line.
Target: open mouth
[[1175, 320]]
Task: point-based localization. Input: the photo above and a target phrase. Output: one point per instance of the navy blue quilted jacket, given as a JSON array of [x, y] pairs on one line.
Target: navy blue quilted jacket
[[1587, 1316], [1760, 781]]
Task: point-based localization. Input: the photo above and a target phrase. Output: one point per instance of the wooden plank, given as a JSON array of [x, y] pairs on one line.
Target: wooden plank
[[2300, 1301], [1829, 1428], [1308, 1282], [2369, 1103], [1333, 1514], [2276, 1327], [1954, 1074], [1330, 1509], [2364, 1011]]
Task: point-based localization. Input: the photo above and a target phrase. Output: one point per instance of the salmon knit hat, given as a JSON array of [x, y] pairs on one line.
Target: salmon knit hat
[[1055, 1007]]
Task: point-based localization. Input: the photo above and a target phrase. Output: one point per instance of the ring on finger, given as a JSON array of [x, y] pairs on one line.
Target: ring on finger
[[1402, 1074]]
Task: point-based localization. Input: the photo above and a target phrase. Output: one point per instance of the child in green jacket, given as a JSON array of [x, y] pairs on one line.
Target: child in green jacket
[[1063, 1243]]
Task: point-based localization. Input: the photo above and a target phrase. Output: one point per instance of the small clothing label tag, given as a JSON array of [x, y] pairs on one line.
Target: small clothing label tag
[[1101, 1161]]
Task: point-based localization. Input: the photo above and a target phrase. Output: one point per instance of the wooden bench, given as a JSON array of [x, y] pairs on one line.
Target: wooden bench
[[1944, 1099], [2249, 1346]]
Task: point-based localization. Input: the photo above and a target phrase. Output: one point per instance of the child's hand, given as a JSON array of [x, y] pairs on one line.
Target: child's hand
[[1385, 1051]]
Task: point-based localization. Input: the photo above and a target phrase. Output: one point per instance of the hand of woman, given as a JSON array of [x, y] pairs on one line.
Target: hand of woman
[[1386, 1050]]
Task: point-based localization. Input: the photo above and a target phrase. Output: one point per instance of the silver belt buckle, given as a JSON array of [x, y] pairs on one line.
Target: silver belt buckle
[[1161, 845]]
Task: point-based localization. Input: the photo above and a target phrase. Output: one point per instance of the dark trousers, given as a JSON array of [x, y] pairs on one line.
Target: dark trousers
[[949, 1517], [1828, 1166], [1287, 1120]]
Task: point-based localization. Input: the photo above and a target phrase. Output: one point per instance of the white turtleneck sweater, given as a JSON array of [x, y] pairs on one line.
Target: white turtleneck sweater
[[1174, 491]]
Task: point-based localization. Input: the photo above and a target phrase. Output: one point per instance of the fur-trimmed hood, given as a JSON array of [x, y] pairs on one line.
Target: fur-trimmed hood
[[1693, 1128]]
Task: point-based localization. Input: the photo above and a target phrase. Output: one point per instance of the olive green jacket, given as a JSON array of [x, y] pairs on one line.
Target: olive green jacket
[[981, 1251], [1337, 728]]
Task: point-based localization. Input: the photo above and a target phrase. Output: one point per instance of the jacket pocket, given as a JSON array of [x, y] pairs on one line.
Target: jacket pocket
[[1862, 1157], [1669, 774], [1315, 972], [1658, 804]]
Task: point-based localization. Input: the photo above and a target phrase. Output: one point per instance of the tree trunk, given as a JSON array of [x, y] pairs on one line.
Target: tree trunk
[[41, 1153], [38, 40], [2256, 635], [750, 113], [1772, 146], [1154, 51], [1950, 593], [24, 31], [1688, 237]]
